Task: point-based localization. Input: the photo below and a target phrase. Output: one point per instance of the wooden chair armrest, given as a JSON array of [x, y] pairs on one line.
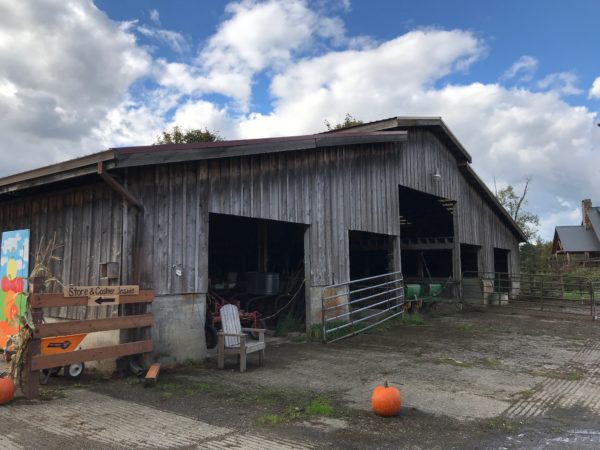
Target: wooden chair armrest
[[220, 333], [257, 330]]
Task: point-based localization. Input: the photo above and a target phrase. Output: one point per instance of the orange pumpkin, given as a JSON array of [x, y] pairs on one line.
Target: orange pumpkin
[[7, 389], [385, 400]]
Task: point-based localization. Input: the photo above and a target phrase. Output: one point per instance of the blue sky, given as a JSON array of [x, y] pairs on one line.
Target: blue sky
[[517, 82]]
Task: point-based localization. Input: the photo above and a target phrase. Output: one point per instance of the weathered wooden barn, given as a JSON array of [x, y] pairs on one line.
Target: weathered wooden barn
[[397, 194]]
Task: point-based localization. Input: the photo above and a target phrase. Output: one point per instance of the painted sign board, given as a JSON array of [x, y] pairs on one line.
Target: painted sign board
[[100, 295], [14, 274]]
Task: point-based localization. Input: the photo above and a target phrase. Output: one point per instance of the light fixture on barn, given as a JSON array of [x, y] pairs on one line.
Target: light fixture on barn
[[436, 177]]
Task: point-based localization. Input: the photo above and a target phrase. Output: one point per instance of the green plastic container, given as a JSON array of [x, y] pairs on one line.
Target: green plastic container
[[435, 289], [412, 291]]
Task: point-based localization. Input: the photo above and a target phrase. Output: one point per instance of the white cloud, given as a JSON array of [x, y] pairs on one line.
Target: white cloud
[[173, 39], [565, 83], [73, 93], [155, 17], [595, 89], [523, 69], [261, 35], [64, 66]]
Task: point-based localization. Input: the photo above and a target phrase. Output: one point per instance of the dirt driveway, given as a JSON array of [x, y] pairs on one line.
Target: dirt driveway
[[491, 379]]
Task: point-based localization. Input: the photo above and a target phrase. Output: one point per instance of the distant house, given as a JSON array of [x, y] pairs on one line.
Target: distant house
[[579, 245]]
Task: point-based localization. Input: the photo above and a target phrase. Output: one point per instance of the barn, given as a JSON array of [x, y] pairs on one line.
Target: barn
[[270, 215]]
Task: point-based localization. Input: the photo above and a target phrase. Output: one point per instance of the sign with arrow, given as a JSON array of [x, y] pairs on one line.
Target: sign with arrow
[[100, 295]]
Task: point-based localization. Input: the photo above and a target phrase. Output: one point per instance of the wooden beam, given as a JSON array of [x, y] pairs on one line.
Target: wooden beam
[[93, 325], [53, 300], [117, 187], [41, 362]]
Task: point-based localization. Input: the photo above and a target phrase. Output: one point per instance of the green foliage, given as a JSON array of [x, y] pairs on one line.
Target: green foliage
[[288, 324], [349, 121], [534, 256], [513, 203], [179, 136]]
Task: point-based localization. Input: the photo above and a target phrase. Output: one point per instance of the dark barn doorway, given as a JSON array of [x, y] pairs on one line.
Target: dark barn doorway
[[501, 270], [370, 254], [258, 265], [427, 235], [469, 260]]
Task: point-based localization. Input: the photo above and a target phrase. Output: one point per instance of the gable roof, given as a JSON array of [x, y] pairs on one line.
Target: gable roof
[[437, 126], [575, 239], [578, 239]]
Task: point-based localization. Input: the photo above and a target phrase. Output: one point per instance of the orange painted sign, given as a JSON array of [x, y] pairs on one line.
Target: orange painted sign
[[61, 344]]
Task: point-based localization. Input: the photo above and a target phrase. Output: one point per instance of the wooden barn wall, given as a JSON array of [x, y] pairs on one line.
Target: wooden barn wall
[[309, 187], [478, 224], [88, 223], [333, 190]]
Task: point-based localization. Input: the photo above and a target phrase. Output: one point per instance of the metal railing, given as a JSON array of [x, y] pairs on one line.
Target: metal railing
[[358, 305], [558, 293]]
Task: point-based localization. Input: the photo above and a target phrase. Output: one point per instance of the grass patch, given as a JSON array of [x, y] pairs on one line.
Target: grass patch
[[489, 363], [412, 319], [451, 362], [500, 424], [272, 419], [465, 327], [288, 324], [318, 407], [568, 375], [181, 388]]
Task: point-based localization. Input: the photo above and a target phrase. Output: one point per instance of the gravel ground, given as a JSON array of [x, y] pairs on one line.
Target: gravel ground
[[475, 379]]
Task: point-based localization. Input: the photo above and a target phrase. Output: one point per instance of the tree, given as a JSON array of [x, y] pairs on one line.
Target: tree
[[349, 121], [534, 256], [514, 204], [179, 136]]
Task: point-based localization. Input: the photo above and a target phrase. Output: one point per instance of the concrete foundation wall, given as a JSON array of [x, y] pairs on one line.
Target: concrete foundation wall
[[178, 330]]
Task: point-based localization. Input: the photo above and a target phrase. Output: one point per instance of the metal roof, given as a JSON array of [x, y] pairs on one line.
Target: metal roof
[[577, 239], [172, 153]]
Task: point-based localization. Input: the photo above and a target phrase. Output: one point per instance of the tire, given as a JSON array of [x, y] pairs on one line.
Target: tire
[[210, 333], [260, 323], [74, 371]]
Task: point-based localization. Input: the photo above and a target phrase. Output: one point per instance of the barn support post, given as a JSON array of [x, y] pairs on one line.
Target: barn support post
[[456, 257]]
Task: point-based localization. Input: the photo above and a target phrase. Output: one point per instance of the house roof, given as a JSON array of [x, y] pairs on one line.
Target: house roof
[[437, 126], [172, 153], [577, 239]]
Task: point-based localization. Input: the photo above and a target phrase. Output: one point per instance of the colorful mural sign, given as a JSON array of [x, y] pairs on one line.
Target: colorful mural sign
[[14, 272]]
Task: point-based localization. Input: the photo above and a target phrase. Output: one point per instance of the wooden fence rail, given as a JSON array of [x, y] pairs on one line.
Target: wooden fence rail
[[36, 360]]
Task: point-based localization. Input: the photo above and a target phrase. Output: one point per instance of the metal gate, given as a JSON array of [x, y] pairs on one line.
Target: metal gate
[[553, 293], [353, 307]]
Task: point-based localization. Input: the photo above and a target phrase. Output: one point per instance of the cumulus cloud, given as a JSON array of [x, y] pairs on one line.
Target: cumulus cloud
[[65, 66], [523, 69], [86, 85], [595, 89]]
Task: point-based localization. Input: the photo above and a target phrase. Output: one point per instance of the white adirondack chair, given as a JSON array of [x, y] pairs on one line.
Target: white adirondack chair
[[233, 340]]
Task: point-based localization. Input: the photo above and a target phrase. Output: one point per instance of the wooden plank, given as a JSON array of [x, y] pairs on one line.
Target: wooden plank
[[152, 374], [90, 326], [51, 300], [40, 362]]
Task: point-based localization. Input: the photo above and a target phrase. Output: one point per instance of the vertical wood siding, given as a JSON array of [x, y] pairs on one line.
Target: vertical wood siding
[[331, 189]]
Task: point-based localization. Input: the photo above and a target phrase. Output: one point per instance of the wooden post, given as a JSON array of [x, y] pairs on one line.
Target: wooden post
[[541, 293], [30, 377]]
